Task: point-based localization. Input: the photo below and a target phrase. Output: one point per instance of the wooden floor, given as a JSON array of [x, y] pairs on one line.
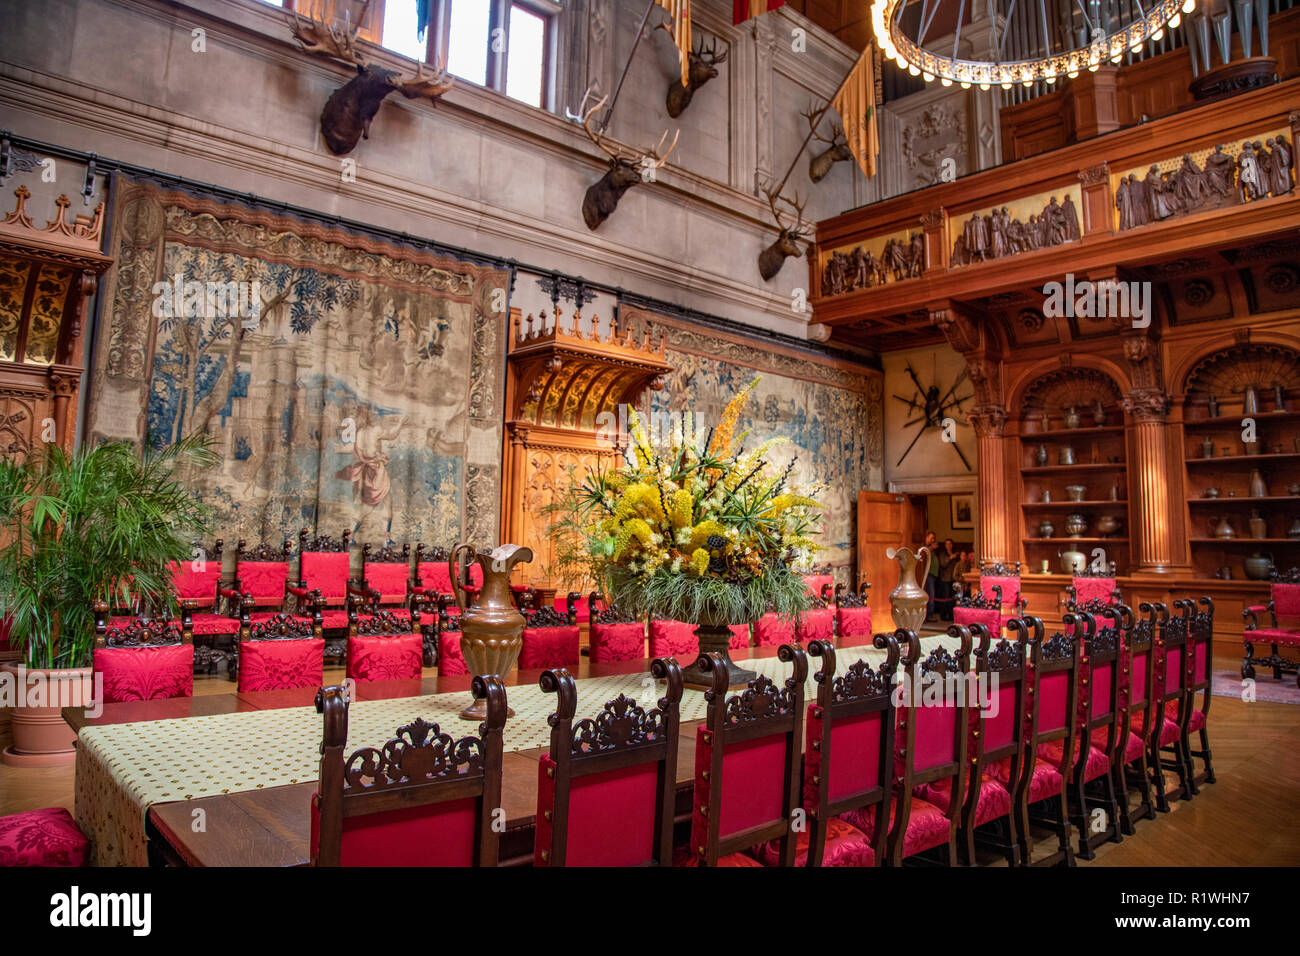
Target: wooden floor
[[1247, 818]]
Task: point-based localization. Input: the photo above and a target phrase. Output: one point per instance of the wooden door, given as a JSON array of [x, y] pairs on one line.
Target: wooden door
[[883, 523]]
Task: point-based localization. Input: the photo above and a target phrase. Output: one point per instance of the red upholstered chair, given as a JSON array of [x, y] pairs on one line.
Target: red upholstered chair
[[283, 653], [1051, 735], [1171, 702], [999, 590], [42, 838], [1137, 692], [677, 639], [747, 766], [261, 580], [848, 761], [549, 640], [1200, 678], [196, 585], [448, 657], [773, 631], [433, 577], [819, 581], [1086, 587], [817, 623], [144, 660], [386, 575], [573, 606], [384, 646], [615, 636], [606, 790], [324, 567], [423, 799], [1102, 732], [852, 616], [996, 748], [930, 752], [1283, 631]]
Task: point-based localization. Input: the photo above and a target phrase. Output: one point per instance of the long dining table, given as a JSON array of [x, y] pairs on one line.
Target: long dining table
[[227, 779]]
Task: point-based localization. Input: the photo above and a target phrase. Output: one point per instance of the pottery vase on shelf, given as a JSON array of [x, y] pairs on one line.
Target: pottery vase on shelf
[[1072, 562], [908, 601], [1259, 567], [491, 626], [1279, 398], [1224, 573], [1047, 496], [1257, 487], [1107, 525], [1075, 524], [1250, 448], [1040, 455], [1207, 447], [1075, 492], [1046, 529], [1258, 526], [1065, 456], [1072, 417], [1224, 529], [1098, 414]]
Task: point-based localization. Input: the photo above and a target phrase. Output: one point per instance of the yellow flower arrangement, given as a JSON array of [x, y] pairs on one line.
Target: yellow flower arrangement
[[697, 528]]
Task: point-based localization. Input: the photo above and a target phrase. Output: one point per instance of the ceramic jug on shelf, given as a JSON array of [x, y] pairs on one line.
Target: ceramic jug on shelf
[[1258, 489], [1258, 526], [908, 601], [491, 625], [1259, 566]]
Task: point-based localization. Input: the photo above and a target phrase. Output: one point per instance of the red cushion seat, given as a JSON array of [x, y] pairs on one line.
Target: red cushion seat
[[1282, 636], [550, 647], [385, 657], [206, 622], [817, 625], [773, 631], [617, 642], [1046, 781], [282, 664], [854, 626], [42, 838], [673, 639], [1097, 764], [146, 673], [846, 845], [1194, 723], [994, 799]]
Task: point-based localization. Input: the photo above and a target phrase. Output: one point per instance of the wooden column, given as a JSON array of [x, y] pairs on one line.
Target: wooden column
[[993, 524], [1154, 533], [1096, 105]]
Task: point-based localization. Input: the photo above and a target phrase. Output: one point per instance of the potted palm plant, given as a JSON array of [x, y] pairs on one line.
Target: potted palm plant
[[99, 524]]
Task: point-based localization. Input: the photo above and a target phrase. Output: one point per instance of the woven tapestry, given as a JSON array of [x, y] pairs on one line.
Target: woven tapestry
[[828, 409], [348, 381]]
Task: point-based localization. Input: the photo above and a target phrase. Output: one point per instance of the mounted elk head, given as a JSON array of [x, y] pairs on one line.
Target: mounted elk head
[[704, 63], [345, 120], [771, 259], [837, 150], [626, 168]]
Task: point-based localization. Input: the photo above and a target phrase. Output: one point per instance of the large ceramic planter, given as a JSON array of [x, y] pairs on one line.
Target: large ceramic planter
[[713, 636], [42, 738]]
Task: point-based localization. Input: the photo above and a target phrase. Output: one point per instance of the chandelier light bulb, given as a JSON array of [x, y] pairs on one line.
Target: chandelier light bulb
[[1158, 34], [914, 70], [984, 86], [1117, 57], [1051, 80], [944, 81], [1175, 20], [1072, 74], [1189, 6], [965, 85]]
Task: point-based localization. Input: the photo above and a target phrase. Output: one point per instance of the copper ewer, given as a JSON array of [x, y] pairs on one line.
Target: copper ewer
[[491, 626]]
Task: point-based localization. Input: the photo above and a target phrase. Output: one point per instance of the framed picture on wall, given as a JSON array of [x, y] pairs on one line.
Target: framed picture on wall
[[963, 511]]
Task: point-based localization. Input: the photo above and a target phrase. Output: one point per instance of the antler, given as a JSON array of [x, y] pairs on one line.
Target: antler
[[798, 230], [814, 117], [710, 53], [631, 157], [316, 35], [430, 86]]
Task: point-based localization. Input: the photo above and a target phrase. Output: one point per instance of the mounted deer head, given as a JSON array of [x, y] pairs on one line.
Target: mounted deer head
[[704, 63], [345, 120], [837, 150], [626, 168], [771, 259]]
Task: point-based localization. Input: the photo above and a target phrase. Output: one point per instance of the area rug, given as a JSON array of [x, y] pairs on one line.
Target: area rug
[[1264, 687]]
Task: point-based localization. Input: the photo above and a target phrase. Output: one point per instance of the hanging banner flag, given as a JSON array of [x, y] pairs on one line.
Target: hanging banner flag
[[856, 104], [742, 10], [680, 12]]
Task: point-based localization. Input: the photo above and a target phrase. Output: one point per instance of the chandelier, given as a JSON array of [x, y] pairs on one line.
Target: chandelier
[[1044, 53]]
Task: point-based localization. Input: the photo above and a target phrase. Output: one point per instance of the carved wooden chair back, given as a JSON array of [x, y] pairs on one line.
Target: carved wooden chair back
[[282, 653], [606, 790], [852, 616], [196, 582], [747, 763], [849, 748], [422, 799], [385, 646], [324, 568], [1200, 681], [432, 577], [142, 659], [933, 724], [261, 577], [386, 576], [549, 640]]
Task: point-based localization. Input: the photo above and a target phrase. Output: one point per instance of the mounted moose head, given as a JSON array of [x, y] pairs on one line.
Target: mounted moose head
[[704, 63], [626, 168], [345, 120], [837, 150], [771, 259]]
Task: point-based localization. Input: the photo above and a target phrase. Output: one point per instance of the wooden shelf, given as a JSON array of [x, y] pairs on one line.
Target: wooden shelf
[[1055, 433], [1114, 540], [1065, 469], [1087, 505], [1234, 421], [1239, 459], [1235, 541], [1222, 500]]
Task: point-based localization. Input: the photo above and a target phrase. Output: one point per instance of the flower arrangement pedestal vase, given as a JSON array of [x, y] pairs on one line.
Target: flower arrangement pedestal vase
[[716, 639], [491, 627]]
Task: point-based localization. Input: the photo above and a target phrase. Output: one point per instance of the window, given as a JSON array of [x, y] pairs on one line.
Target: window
[[505, 45]]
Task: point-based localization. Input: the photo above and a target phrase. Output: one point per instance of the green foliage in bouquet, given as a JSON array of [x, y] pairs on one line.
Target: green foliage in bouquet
[[699, 530]]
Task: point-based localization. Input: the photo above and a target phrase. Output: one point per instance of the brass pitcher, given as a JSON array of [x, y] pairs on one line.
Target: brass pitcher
[[908, 601], [491, 626]]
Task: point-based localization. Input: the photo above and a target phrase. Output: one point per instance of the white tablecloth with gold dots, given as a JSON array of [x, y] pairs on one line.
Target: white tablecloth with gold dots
[[123, 769]]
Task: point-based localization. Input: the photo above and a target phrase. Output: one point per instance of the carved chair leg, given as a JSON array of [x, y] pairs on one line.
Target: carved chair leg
[[1277, 663], [1156, 775], [1085, 831], [1119, 789], [1248, 664]]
